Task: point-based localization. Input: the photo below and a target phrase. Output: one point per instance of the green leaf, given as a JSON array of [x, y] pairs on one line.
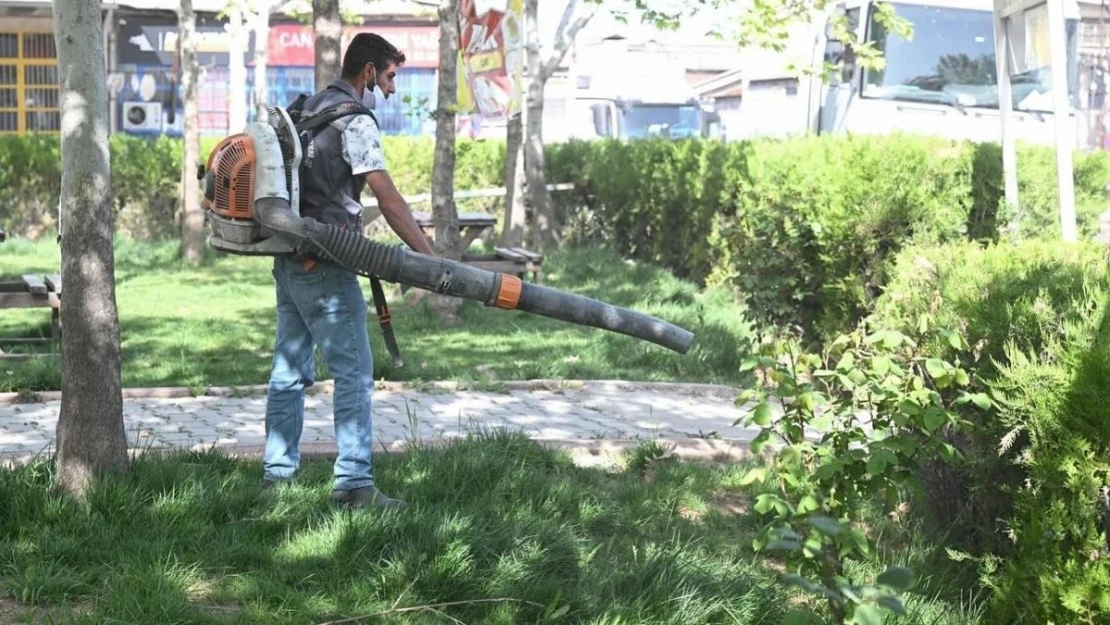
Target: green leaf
[[893, 604], [762, 415], [953, 338], [934, 418], [760, 441], [936, 367], [846, 362], [826, 525], [766, 502], [867, 614], [796, 580], [962, 378], [897, 577], [982, 400], [880, 365], [784, 545], [757, 474], [807, 504], [797, 617]]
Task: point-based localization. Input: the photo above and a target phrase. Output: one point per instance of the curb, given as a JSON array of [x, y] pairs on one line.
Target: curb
[[328, 387], [585, 452]]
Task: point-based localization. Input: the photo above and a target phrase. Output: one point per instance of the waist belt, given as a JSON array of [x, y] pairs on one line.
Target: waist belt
[[380, 305]]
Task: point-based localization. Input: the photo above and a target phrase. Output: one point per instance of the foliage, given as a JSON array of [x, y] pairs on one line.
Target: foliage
[[805, 228], [1030, 506], [853, 426]]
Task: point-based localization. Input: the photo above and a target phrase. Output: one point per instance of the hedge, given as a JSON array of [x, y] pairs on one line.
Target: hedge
[[805, 228], [1030, 502]]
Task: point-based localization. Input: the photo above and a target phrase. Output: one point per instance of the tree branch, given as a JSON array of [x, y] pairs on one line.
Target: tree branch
[[565, 34]]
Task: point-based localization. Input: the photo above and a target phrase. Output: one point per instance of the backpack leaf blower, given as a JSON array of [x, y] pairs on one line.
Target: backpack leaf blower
[[251, 196]]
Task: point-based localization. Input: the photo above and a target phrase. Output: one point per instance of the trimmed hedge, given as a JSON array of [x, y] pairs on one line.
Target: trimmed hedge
[[805, 228], [1030, 502]]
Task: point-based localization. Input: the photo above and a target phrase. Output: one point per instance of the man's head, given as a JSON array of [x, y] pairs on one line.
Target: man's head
[[371, 60]]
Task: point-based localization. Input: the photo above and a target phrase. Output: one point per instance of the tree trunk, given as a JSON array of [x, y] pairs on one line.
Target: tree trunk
[[192, 223], [512, 232], [91, 441], [261, 35], [444, 213], [328, 29], [236, 69], [539, 199]]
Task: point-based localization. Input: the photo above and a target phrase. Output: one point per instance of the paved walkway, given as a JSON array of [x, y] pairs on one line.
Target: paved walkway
[[593, 419]]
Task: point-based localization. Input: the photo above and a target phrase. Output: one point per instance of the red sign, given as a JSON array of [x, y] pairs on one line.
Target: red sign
[[294, 44], [489, 47]]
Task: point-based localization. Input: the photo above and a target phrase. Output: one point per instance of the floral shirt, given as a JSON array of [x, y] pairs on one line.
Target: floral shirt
[[362, 146]]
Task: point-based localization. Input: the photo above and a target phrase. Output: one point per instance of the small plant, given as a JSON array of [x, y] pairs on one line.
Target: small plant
[[854, 426]]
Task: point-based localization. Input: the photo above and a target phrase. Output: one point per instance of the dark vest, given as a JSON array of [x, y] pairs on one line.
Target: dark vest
[[329, 192]]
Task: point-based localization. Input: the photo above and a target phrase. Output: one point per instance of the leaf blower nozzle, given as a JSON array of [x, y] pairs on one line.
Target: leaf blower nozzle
[[252, 211]]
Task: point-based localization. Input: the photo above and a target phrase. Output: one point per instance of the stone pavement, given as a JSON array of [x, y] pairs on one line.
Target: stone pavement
[[593, 419]]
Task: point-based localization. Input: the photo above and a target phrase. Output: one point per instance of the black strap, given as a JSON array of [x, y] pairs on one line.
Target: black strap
[[385, 321]]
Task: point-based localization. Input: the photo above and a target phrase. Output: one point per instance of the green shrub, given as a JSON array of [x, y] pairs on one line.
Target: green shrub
[[1032, 502]]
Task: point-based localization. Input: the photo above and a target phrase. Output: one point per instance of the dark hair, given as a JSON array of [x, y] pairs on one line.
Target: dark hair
[[370, 48]]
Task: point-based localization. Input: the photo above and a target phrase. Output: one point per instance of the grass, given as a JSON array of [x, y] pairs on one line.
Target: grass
[[511, 531], [213, 325]]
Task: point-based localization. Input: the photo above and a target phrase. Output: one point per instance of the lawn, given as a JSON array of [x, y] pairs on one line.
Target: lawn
[[213, 325], [502, 529]]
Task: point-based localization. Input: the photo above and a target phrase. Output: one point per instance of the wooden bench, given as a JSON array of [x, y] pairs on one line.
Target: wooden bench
[[32, 291], [514, 260]]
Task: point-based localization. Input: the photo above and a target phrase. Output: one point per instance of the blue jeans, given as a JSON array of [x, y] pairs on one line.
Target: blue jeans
[[323, 306]]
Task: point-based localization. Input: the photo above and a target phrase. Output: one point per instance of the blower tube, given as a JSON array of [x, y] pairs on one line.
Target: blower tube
[[443, 276]]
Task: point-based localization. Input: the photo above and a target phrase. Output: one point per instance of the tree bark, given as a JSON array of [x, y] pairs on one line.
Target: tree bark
[[444, 212], [261, 36], [236, 68], [544, 235], [512, 231], [91, 441], [192, 223], [545, 228], [328, 28]]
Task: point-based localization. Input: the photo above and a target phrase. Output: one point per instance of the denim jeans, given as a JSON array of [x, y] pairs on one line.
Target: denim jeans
[[323, 307]]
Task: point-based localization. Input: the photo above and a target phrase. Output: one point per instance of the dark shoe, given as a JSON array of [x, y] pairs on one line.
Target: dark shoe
[[366, 497]]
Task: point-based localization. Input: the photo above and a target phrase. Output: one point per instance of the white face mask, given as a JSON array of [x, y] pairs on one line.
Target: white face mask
[[368, 98]]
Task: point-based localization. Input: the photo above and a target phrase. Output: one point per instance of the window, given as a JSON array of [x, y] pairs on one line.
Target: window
[[29, 92], [950, 60]]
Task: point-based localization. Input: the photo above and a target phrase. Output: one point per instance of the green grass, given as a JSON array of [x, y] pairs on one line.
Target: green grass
[[213, 325], [190, 538]]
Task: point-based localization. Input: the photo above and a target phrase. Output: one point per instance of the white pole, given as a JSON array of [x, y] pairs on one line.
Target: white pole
[[1061, 108], [1005, 114]]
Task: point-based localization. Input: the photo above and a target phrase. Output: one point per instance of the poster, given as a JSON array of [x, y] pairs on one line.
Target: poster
[[491, 57]]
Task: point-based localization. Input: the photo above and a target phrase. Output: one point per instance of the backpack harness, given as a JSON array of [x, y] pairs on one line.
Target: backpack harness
[[307, 127]]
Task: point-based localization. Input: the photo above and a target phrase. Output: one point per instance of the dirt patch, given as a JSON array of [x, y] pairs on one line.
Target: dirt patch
[[13, 612]]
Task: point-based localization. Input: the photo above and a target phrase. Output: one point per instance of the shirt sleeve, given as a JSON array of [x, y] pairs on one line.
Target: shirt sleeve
[[362, 146]]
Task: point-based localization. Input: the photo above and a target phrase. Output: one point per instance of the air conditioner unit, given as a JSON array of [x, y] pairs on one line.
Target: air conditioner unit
[[142, 116]]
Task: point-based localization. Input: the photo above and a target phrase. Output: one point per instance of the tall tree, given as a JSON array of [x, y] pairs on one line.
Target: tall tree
[[576, 15], [512, 229], [238, 36], [90, 437], [328, 28], [444, 212], [261, 36], [192, 222]]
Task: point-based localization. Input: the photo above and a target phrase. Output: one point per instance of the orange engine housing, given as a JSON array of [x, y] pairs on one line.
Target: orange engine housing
[[231, 164]]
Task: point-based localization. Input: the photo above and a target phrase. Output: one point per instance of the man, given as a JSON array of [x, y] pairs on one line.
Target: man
[[320, 303]]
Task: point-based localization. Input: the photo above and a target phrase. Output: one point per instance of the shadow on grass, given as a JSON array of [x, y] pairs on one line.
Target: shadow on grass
[[191, 538]]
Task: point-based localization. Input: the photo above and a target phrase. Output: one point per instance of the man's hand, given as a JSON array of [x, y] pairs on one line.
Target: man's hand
[[397, 212]]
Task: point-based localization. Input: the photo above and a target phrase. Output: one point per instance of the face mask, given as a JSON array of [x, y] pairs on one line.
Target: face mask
[[368, 99]]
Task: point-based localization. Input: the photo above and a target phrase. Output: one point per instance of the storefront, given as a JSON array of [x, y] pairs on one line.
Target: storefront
[[145, 84]]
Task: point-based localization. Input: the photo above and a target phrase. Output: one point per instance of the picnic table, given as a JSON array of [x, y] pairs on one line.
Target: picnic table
[[516, 260], [32, 291]]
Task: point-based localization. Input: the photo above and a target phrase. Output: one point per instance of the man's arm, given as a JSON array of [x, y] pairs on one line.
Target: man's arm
[[397, 212]]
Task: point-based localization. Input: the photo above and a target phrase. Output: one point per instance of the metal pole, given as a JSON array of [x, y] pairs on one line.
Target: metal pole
[[1005, 114], [1061, 109]]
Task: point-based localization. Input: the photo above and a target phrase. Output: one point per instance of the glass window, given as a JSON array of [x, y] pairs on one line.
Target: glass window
[[838, 52], [646, 120], [950, 60]]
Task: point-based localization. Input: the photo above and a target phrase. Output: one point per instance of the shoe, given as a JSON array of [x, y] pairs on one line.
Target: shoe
[[366, 497], [269, 483]]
